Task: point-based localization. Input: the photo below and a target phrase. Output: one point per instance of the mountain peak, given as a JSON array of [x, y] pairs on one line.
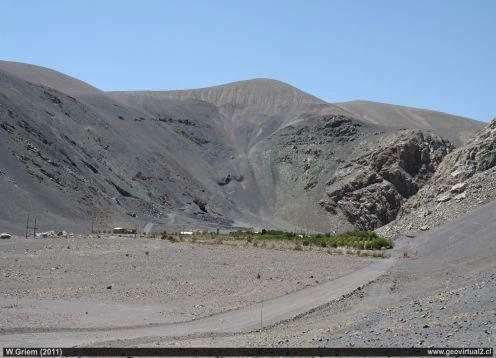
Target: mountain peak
[[47, 77], [259, 92]]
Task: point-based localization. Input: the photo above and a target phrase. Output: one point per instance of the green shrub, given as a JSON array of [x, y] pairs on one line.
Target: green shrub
[[380, 242]]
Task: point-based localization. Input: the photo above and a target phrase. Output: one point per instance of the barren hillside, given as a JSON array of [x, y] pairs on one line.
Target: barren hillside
[[255, 153]]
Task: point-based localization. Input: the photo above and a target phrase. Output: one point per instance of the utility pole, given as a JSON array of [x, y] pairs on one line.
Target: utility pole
[[29, 227], [261, 317]]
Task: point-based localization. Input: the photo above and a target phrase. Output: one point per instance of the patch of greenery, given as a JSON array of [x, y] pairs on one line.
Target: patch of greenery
[[359, 240], [356, 240]]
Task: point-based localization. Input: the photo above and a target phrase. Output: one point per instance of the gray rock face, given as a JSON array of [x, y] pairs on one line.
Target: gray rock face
[[465, 179], [371, 190], [477, 156]]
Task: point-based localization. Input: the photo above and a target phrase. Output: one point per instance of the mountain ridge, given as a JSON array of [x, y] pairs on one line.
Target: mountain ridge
[[47, 77], [210, 157]]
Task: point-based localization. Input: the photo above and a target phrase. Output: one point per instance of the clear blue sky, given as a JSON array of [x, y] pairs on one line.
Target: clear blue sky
[[436, 54]]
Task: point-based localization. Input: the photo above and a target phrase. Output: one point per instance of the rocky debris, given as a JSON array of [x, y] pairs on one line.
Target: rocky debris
[[465, 179], [141, 176], [338, 126], [228, 178], [5, 236], [120, 190], [371, 189], [202, 205]]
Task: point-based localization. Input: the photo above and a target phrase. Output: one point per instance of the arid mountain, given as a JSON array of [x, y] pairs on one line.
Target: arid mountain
[[454, 128], [257, 153]]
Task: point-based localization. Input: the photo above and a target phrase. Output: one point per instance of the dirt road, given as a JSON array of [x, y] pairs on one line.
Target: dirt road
[[242, 320]]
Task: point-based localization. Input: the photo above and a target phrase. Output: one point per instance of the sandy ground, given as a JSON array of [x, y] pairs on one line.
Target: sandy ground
[[400, 309], [90, 282], [441, 292]]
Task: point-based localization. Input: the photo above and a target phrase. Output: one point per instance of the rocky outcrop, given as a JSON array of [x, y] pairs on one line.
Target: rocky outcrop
[[464, 180], [370, 190], [477, 156]]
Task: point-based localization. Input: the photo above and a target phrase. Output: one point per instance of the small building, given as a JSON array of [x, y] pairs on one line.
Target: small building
[[186, 232], [123, 230]]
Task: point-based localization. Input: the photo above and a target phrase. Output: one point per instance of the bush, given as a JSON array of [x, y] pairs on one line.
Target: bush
[[380, 242]]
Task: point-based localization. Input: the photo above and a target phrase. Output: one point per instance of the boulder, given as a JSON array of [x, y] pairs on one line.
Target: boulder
[[44, 235], [457, 173], [442, 198], [458, 188]]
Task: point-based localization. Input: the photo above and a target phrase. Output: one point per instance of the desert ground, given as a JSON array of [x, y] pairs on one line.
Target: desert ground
[[437, 289], [107, 282], [440, 292]]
